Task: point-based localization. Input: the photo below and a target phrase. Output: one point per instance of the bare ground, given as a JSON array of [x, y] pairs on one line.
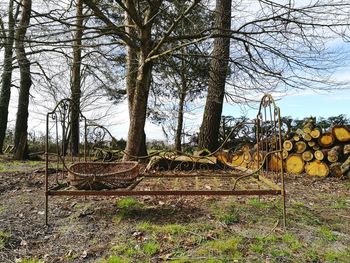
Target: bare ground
[[179, 229]]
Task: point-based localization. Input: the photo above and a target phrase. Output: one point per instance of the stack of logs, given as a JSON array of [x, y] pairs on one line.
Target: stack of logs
[[318, 153], [310, 150]]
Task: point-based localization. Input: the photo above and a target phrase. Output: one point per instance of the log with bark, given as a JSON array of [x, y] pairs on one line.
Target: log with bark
[[316, 133], [237, 159], [300, 147], [326, 140], [346, 149], [334, 154], [335, 169], [275, 163], [307, 156], [311, 143], [288, 145], [345, 167], [307, 137], [319, 155]]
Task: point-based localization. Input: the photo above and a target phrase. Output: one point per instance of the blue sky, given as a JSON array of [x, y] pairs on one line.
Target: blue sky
[[304, 104]]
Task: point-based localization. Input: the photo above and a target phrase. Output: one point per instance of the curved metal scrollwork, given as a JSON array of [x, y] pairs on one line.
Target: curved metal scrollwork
[[59, 134]]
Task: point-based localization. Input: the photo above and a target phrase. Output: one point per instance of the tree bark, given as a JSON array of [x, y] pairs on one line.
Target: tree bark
[[209, 131], [132, 66], [25, 82], [5, 94], [180, 117], [136, 133], [76, 78]]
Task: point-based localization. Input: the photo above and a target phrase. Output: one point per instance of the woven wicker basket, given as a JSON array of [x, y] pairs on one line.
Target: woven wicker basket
[[100, 175]]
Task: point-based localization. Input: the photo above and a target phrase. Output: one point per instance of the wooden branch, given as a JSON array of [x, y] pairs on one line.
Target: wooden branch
[[129, 8], [115, 29], [172, 27], [175, 48]]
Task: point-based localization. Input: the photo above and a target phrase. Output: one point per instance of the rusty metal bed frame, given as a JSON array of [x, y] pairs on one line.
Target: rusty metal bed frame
[[202, 177]]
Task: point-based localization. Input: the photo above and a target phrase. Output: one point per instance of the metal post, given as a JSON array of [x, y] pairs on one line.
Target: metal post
[[46, 170]]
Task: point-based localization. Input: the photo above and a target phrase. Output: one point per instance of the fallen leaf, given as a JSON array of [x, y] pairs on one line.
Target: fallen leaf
[[84, 254], [24, 243]]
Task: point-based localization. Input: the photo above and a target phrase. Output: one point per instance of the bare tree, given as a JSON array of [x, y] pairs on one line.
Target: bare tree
[[25, 83], [275, 47], [8, 36], [147, 45]]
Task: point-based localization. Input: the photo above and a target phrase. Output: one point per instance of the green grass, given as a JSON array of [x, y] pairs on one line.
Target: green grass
[[127, 207], [337, 256], [150, 248], [327, 234], [340, 203], [257, 203], [292, 241], [128, 203], [3, 237], [145, 226], [223, 247], [2, 209], [347, 185], [115, 259], [31, 261], [171, 229], [17, 166], [304, 216]]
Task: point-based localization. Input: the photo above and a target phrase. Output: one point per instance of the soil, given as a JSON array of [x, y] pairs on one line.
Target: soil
[[84, 230]]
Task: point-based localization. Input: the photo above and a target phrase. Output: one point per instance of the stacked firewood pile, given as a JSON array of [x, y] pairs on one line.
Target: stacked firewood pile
[[309, 150], [317, 152]]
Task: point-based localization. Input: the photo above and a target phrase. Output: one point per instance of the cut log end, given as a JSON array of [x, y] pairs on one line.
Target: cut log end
[[319, 155], [317, 168], [295, 164], [300, 147], [288, 145], [307, 156], [284, 154], [315, 133], [307, 137], [326, 140], [341, 133]]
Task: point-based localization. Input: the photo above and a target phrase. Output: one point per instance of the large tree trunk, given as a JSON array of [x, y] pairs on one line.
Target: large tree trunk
[[136, 135], [5, 94], [76, 78], [132, 64], [209, 131], [21, 128]]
